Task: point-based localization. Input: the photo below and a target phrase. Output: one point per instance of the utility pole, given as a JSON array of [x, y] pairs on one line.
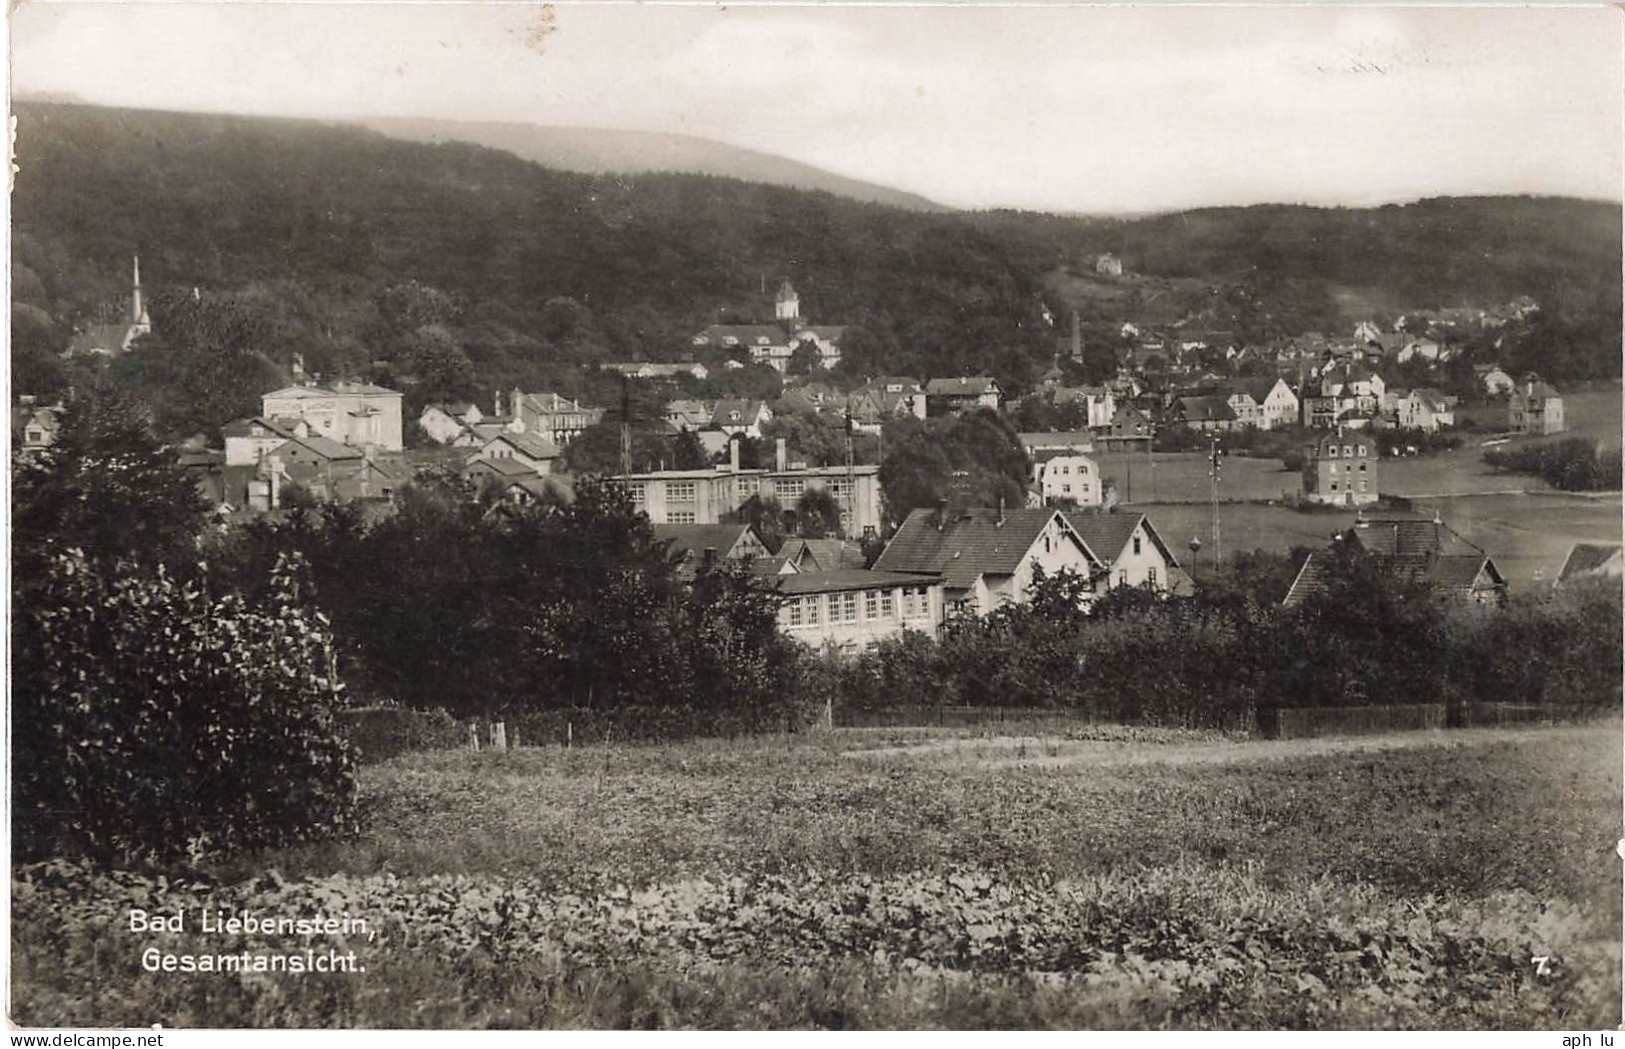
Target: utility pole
[[851, 509], [1215, 486], [626, 425]]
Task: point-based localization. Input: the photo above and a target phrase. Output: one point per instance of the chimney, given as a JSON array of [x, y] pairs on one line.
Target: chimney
[[496, 405], [940, 515], [1077, 336], [1000, 522], [780, 455], [514, 402], [733, 454], [135, 292]]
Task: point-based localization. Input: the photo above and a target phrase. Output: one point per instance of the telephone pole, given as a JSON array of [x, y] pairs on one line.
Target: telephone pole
[[1215, 487]]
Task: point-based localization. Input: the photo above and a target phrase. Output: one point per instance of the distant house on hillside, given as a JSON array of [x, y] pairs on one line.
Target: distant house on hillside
[[1492, 379], [1412, 548], [1535, 408], [110, 340], [445, 421], [35, 428], [1109, 265], [775, 344], [986, 557], [1205, 414], [959, 394], [653, 370], [532, 451], [354, 413]]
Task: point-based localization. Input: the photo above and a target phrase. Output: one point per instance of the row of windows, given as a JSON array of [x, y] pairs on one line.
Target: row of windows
[[1348, 451], [1350, 487], [1333, 468], [815, 609]]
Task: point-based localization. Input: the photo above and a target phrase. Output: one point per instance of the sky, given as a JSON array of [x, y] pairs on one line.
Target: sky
[[1098, 109]]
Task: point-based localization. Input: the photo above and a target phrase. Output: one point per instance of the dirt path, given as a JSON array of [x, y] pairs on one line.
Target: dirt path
[[1058, 752]]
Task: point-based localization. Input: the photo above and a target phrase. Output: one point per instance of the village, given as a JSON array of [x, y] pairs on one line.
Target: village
[[873, 572]]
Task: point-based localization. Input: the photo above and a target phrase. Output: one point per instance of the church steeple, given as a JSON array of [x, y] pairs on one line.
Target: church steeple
[[137, 312], [787, 306]]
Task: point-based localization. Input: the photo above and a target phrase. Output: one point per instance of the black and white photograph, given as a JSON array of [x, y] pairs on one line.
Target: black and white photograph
[[808, 517]]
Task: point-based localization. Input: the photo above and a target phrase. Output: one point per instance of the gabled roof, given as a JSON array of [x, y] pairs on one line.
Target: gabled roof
[[245, 428], [1412, 548], [735, 412], [500, 467], [968, 543], [1591, 559], [108, 338], [323, 447], [692, 539], [745, 334], [827, 555], [298, 393], [1106, 535], [1206, 409], [533, 445], [963, 385], [359, 388]]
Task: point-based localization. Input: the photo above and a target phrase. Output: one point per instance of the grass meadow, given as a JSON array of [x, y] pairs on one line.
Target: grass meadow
[[881, 878]]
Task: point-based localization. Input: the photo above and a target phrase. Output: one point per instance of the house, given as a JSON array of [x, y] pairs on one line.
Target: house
[[886, 399], [1131, 429], [1132, 551], [547, 415], [1591, 561], [1494, 381], [987, 557], [1109, 265], [250, 440], [1340, 468], [821, 555], [1535, 408], [35, 428], [1413, 548], [848, 610], [1419, 349], [352, 413], [775, 344], [652, 370], [444, 422], [1058, 443], [502, 471], [1099, 403], [693, 547], [328, 471], [686, 414], [532, 451], [963, 393], [529, 491], [1425, 409], [110, 340], [1071, 479], [1275, 404], [733, 416], [1206, 414]]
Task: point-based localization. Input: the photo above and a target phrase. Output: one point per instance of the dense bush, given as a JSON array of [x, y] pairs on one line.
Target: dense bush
[[1212, 661], [380, 733], [151, 719], [1570, 465]]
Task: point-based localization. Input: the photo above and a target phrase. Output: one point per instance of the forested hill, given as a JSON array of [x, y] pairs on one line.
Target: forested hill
[[604, 151], [481, 269]]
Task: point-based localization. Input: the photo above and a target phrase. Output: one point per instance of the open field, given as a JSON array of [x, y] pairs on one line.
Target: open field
[[1183, 477], [1159, 879]]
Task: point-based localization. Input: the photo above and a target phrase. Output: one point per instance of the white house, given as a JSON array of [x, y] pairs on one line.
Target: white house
[[1131, 550], [1071, 479], [353, 413]]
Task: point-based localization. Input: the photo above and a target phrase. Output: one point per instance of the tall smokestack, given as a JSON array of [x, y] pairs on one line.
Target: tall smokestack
[[733, 454], [780, 455], [1077, 336]]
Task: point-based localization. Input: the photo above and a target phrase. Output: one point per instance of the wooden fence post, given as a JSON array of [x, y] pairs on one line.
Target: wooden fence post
[[499, 735], [474, 735]]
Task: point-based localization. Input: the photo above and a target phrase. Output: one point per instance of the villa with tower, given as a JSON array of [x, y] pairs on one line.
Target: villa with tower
[[777, 343], [109, 340]]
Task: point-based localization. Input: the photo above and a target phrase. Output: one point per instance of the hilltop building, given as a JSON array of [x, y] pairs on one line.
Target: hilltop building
[[350, 413], [775, 344]]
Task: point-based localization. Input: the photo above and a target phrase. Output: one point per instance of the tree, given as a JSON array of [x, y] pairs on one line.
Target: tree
[[804, 359], [973, 459], [106, 487], [818, 515], [765, 517]]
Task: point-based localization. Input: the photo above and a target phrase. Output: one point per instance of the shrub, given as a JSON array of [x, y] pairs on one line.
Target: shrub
[[150, 719], [380, 733], [1570, 465]]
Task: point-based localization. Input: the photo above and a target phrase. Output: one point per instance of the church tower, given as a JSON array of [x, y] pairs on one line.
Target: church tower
[[140, 323], [787, 307]]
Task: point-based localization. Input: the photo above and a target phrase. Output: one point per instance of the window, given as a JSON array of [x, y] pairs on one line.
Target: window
[[886, 610], [843, 608], [742, 488], [871, 604], [916, 602], [638, 493], [1331, 452], [1332, 468], [1334, 486], [1362, 454], [680, 517], [680, 491], [793, 615], [1136, 544], [1362, 484], [1151, 576], [1122, 577], [841, 490], [1066, 489], [1362, 469], [1347, 452], [787, 490]]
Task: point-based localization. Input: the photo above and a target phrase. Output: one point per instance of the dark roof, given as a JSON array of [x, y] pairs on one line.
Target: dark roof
[[1106, 534], [553, 485], [829, 555], [1589, 558], [689, 539], [533, 445], [101, 337], [501, 467], [1400, 534], [963, 385], [748, 412], [850, 579], [746, 334], [1206, 409], [968, 544], [325, 447], [245, 428], [1410, 547]]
